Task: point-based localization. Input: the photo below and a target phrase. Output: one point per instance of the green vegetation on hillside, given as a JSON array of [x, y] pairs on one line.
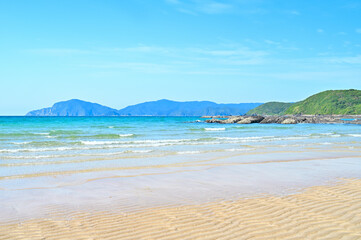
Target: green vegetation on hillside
[[270, 108], [329, 102]]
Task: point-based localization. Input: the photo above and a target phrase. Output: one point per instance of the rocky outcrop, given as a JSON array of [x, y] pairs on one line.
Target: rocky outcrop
[[234, 119], [214, 120], [237, 119], [349, 119], [289, 121], [249, 120], [273, 119]]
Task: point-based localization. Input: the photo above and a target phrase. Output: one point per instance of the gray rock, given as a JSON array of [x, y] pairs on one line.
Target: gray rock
[[253, 119], [214, 120], [233, 119], [301, 120], [273, 119], [289, 121]]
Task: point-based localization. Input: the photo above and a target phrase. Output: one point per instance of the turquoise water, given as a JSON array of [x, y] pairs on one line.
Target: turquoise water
[[30, 145], [144, 161], [349, 119]]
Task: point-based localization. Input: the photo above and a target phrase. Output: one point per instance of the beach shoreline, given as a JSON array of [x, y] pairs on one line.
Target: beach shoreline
[[329, 211], [99, 178], [198, 179]]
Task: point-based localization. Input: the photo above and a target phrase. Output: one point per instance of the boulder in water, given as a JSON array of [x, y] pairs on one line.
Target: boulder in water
[[253, 119]]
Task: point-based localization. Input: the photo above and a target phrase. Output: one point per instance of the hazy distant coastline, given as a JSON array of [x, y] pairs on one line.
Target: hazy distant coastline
[[331, 102], [162, 107]]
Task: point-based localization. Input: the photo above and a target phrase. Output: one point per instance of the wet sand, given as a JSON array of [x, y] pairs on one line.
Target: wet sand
[[319, 212], [268, 192]]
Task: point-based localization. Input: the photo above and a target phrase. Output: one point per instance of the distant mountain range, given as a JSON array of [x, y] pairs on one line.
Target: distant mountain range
[[162, 107], [327, 102]]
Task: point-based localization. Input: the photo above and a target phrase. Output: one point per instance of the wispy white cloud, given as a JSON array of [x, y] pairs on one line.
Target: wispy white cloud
[[352, 5], [187, 11], [212, 52], [326, 76], [271, 42], [293, 12], [215, 7], [197, 7], [173, 1], [165, 60], [227, 59], [358, 30], [60, 51], [346, 43], [320, 30], [149, 49], [143, 67], [345, 60], [238, 52]]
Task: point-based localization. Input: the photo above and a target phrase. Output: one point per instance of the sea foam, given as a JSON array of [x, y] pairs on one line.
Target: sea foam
[[214, 129]]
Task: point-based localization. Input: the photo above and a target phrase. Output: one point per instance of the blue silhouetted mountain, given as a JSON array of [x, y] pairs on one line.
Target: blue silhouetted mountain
[[163, 107], [172, 108], [75, 107]]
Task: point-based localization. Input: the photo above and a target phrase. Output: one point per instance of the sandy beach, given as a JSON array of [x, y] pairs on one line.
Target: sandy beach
[[320, 212], [179, 180], [180, 120]]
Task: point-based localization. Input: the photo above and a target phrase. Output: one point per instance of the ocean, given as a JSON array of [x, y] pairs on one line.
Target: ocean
[[176, 157]]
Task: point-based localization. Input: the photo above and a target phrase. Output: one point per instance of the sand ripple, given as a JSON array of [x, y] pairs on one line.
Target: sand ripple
[[322, 212]]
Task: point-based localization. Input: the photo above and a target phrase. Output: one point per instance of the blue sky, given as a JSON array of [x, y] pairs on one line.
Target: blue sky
[[119, 53]]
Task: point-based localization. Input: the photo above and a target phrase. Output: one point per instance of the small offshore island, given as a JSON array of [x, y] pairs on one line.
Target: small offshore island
[[333, 106]]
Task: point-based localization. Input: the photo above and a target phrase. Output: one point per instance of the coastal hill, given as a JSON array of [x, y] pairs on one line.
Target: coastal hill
[[337, 102], [270, 108], [329, 102], [163, 107]]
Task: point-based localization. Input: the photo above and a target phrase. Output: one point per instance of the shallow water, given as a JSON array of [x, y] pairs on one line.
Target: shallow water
[[140, 161]]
